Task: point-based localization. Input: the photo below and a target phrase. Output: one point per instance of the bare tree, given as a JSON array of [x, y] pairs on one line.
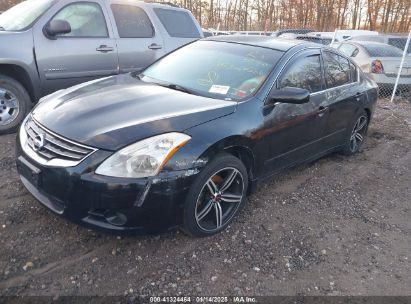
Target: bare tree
[[321, 15]]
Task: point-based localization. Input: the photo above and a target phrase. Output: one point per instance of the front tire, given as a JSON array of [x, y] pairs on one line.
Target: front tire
[[356, 135], [216, 196], [15, 103]]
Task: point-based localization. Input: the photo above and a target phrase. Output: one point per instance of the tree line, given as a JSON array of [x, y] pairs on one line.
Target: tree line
[[389, 16]]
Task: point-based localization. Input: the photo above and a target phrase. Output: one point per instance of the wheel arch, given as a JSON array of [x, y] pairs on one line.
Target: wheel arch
[[21, 75], [239, 146], [245, 154]]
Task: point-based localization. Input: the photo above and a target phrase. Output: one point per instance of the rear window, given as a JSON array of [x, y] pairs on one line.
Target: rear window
[[177, 23], [382, 50], [348, 50], [399, 43], [132, 22], [368, 38]]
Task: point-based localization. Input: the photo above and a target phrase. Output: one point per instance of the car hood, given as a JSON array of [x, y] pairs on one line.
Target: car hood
[[114, 112]]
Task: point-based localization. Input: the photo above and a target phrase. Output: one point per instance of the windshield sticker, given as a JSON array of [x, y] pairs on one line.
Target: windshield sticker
[[219, 89], [241, 93]]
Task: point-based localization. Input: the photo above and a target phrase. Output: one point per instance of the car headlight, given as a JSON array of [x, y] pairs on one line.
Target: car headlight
[[144, 158]]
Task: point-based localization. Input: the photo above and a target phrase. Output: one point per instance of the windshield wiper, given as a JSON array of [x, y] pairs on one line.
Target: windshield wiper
[[177, 87]]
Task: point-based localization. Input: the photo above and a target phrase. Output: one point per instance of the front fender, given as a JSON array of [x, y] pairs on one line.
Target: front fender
[[209, 139], [17, 52]]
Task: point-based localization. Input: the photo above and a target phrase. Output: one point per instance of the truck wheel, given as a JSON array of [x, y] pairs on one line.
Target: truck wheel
[[15, 103]]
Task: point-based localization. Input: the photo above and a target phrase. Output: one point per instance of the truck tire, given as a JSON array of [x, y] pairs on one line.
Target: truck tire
[[15, 103]]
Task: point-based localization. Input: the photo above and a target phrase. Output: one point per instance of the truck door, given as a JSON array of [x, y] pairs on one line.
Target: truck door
[[87, 52], [138, 41]]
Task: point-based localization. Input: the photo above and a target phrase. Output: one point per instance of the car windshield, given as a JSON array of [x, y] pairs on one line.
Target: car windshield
[[383, 51], [214, 69], [22, 15]]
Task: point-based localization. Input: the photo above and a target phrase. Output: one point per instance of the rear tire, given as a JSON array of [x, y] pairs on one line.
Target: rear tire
[[15, 103], [216, 196], [356, 134]]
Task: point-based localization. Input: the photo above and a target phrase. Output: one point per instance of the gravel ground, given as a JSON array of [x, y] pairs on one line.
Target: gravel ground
[[339, 226]]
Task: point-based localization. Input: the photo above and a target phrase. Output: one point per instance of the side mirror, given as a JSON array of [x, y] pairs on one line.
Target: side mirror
[[289, 95], [57, 27]]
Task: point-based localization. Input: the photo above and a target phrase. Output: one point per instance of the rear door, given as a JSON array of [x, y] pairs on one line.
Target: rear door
[[343, 95], [180, 27], [87, 52], [139, 41]]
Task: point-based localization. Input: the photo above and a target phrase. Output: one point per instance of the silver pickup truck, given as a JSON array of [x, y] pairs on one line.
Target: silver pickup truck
[[48, 45]]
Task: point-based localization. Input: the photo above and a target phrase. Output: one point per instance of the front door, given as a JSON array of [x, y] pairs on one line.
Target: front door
[[295, 131], [89, 51]]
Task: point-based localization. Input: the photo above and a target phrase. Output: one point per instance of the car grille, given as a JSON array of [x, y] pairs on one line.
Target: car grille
[[51, 146]]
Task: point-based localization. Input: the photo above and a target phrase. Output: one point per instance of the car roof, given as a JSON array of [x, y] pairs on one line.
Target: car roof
[[280, 44], [148, 3]]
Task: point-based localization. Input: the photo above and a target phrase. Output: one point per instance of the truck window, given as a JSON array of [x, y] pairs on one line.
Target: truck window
[[85, 18], [24, 14], [132, 21], [177, 23]]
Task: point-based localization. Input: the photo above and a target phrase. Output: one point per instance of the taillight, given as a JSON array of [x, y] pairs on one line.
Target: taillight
[[377, 67]]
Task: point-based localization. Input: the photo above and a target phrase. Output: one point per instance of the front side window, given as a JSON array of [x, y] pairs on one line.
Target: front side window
[[337, 70], [132, 21], [305, 73], [215, 69], [86, 19], [23, 14], [177, 23]]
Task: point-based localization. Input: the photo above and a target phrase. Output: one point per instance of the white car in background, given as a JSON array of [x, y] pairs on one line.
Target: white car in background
[[394, 40], [381, 62], [342, 35]]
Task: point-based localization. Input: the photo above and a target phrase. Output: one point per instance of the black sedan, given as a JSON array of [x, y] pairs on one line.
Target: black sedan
[[182, 143]]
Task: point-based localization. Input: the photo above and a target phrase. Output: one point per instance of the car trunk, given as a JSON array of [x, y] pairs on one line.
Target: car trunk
[[392, 64]]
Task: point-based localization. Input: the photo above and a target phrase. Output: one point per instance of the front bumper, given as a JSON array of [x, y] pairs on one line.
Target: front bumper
[[144, 205]]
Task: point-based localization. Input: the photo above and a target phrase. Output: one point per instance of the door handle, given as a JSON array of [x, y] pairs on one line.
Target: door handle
[[322, 110], [104, 49], [155, 46]]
